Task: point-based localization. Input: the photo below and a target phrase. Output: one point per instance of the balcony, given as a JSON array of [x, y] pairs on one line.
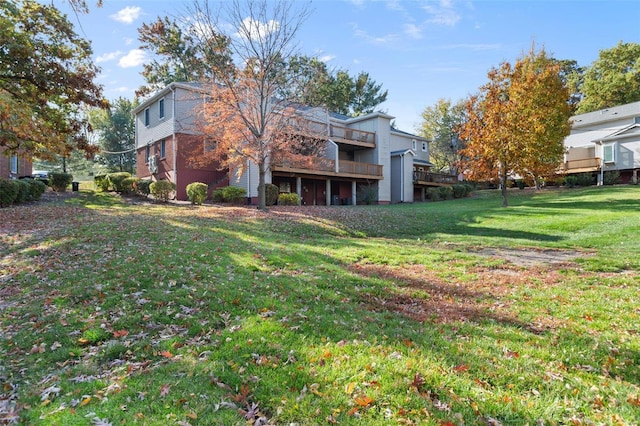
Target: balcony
[[434, 179], [580, 166], [350, 136], [306, 165]]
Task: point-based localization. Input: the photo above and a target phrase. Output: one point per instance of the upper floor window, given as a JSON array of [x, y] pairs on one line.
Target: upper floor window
[[13, 164], [425, 146], [609, 153], [147, 154], [414, 144], [161, 108], [162, 149], [146, 117]]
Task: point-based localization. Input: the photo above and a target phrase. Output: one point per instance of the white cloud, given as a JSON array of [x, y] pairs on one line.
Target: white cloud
[[327, 58], [110, 56], [413, 31], [442, 13], [256, 30], [134, 58], [391, 39], [127, 15]]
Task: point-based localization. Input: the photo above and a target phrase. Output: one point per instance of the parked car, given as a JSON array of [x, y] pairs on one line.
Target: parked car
[[41, 175]]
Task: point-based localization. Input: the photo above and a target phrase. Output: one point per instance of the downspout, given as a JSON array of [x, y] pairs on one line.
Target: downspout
[[402, 178], [173, 138]]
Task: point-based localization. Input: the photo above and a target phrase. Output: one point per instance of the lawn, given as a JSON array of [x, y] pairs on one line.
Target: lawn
[[449, 313]]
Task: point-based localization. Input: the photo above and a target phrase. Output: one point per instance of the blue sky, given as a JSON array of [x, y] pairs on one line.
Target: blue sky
[[419, 50]]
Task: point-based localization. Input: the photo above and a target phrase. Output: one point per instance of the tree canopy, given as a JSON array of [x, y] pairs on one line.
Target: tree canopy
[[115, 128], [517, 123], [613, 79], [46, 76], [440, 124]]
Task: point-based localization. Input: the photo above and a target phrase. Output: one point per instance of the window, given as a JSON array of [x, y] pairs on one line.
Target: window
[[608, 153], [424, 146], [13, 164], [146, 117], [147, 154], [162, 149], [414, 144], [161, 109]]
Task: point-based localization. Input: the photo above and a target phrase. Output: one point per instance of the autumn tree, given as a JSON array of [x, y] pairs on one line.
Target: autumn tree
[[115, 129], [46, 76], [182, 51], [245, 117], [613, 79], [517, 123], [440, 124]]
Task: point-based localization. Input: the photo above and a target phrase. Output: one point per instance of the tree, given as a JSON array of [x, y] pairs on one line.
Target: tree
[[245, 117], [440, 125], [517, 123], [183, 52], [115, 128], [613, 79], [46, 76], [311, 83]]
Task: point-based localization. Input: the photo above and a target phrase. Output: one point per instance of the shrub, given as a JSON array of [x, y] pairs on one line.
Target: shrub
[[460, 190], [8, 192], [233, 194], [289, 199], [101, 182], [585, 179], [141, 186], [129, 185], [446, 192], [367, 194], [570, 181], [24, 192], [116, 180], [36, 189], [271, 192], [520, 183], [162, 189], [433, 194], [197, 192], [611, 177], [60, 181]]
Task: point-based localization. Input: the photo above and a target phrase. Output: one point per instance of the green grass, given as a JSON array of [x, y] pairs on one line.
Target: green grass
[[153, 314]]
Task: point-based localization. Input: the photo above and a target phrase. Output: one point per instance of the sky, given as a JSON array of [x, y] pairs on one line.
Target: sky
[[419, 50]]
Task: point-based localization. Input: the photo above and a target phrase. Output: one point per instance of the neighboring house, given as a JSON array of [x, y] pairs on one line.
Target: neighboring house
[[603, 141], [14, 166], [363, 154]]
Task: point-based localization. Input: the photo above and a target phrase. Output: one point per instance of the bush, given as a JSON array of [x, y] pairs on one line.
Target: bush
[[60, 181], [271, 192], [36, 189], [142, 186], [101, 182], [585, 179], [611, 178], [116, 180], [367, 194], [197, 192], [24, 192], [8, 192], [433, 194], [129, 185], [460, 190], [570, 181], [289, 199], [162, 189], [229, 194], [446, 192]]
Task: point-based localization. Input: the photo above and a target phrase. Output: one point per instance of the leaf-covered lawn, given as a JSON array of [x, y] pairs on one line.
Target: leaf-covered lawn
[[445, 313]]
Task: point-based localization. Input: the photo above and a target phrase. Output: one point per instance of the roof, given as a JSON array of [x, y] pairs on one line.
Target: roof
[[423, 162], [608, 114], [402, 152], [195, 87]]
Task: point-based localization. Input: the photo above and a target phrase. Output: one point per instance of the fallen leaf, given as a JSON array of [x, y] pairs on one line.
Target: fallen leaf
[[461, 368], [349, 388], [364, 401], [164, 390], [120, 333], [166, 354]]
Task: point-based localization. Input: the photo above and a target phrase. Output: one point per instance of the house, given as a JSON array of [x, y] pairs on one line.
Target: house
[[365, 158], [14, 166], [604, 141]]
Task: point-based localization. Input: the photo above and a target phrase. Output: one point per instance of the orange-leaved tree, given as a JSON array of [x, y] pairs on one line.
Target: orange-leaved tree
[[516, 125], [245, 115]]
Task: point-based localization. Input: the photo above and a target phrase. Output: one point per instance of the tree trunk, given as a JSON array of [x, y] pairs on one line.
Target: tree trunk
[[503, 186], [262, 200]]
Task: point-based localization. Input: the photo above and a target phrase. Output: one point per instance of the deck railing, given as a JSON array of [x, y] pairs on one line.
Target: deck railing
[[585, 163], [355, 168], [430, 177]]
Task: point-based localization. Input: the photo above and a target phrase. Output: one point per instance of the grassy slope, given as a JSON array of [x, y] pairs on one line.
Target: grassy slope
[[367, 315]]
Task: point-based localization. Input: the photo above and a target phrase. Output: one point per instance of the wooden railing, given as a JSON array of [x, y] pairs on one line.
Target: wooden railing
[[352, 136], [305, 162], [439, 178], [582, 164], [355, 168]]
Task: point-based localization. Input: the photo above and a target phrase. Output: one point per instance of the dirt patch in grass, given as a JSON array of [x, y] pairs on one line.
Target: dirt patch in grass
[[527, 257]]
